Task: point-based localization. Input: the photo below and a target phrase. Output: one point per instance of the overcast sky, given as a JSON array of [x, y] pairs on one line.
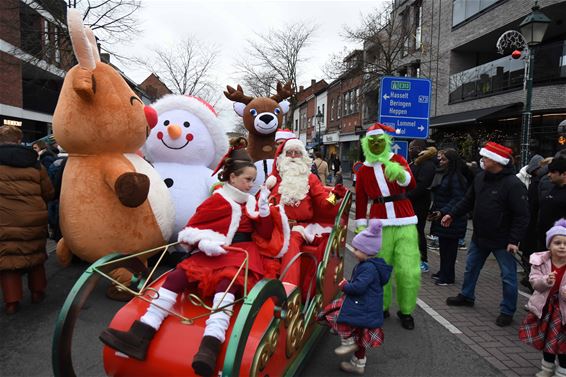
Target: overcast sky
[[228, 24]]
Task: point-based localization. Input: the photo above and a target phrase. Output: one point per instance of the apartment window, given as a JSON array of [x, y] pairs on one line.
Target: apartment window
[[406, 32], [464, 9], [355, 94], [418, 24], [323, 113], [296, 125], [332, 109], [339, 108], [56, 45]]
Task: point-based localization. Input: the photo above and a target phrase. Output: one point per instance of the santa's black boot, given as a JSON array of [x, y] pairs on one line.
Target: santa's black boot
[[133, 342], [204, 362]]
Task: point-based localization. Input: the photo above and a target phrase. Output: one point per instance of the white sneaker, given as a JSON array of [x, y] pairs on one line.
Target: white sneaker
[[355, 365], [347, 346]]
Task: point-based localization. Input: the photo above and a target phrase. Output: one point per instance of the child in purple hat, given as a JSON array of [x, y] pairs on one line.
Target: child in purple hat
[[357, 316], [544, 327]]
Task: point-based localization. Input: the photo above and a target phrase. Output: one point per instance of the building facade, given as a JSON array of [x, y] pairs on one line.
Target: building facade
[[477, 93]]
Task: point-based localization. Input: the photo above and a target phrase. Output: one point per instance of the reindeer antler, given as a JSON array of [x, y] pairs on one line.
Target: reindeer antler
[[237, 95], [282, 92]]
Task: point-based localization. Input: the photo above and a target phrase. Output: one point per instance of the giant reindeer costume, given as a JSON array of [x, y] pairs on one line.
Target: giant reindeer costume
[[111, 199], [262, 117]]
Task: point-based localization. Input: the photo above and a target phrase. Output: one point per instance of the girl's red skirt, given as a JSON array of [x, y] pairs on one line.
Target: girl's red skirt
[[546, 334], [209, 271], [363, 337]]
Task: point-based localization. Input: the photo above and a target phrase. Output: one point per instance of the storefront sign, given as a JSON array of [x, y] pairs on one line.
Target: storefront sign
[[331, 138], [11, 122]]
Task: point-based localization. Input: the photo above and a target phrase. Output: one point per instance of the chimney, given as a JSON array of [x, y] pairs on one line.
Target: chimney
[[313, 81], [301, 88]]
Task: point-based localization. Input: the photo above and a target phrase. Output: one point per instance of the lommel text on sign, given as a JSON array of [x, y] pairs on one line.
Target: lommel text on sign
[[404, 104]]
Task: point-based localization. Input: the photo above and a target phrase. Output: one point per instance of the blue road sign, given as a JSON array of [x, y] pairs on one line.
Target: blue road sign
[[401, 148], [404, 104]]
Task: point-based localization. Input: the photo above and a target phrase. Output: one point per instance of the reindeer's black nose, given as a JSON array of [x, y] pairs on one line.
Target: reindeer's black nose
[[266, 118]]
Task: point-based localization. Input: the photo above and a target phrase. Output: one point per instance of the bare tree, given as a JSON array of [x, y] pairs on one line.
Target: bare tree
[[43, 27], [186, 68], [275, 56]]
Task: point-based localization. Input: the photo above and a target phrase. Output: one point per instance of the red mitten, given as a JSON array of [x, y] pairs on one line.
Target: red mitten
[[339, 190]]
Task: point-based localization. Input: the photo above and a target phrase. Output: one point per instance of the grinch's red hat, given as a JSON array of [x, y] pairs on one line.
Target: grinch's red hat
[[379, 129], [497, 152], [284, 134]]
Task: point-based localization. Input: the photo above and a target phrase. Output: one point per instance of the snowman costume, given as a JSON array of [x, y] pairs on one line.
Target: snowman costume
[[184, 147]]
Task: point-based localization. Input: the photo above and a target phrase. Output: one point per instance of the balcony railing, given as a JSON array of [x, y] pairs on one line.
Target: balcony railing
[[507, 74]]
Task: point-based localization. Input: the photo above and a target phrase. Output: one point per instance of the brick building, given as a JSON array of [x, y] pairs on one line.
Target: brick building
[[154, 87], [34, 56]]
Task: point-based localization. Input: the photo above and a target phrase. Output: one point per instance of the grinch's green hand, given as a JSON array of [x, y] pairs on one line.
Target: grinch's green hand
[[360, 229], [401, 177]]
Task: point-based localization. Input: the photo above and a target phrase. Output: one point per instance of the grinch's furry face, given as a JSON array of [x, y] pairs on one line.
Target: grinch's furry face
[[376, 147]]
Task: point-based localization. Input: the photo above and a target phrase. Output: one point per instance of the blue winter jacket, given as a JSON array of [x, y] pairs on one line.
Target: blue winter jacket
[[363, 305], [446, 195]]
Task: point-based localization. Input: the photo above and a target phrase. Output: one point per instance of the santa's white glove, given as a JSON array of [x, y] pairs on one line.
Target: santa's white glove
[[263, 203], [211, 248]]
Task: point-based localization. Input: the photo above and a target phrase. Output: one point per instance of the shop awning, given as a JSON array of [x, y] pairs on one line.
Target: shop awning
[[473, 115]]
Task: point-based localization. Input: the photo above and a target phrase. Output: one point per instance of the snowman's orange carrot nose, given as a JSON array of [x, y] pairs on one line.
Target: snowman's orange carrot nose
[[174, 131]]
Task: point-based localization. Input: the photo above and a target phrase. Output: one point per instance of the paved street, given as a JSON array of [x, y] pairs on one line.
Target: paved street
[[446, 341]]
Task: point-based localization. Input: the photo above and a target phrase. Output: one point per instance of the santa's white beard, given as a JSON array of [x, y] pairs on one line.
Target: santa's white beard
[[294, 174]]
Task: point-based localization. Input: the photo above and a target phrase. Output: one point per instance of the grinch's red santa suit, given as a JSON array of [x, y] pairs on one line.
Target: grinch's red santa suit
[[302, 195]]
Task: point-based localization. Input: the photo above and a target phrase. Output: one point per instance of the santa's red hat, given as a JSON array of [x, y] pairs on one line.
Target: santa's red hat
[[497, 152], [379, 129], [287, 145], [284, 134]]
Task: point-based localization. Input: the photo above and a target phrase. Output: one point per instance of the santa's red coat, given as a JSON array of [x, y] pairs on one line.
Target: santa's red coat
[[371, 183]]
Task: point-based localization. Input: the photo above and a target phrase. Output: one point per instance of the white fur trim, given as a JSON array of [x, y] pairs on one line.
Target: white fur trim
[[217, 324], [192, 236], [384, 188], [361, 222], [229, 191], [286, 232], [407, 180], [379, 131], [159, 197], [236, 215], [270, 182], [494, 156], [239, 108], [284, 134], [400, 221], [251, 203], [194, 106], [310, 232], [295, 143]]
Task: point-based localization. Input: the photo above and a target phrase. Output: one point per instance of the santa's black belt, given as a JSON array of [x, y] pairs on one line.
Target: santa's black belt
[[391, 198], [242, 237]]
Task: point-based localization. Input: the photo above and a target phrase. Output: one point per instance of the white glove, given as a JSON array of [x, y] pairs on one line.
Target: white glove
[[263, 203], [211, 248]]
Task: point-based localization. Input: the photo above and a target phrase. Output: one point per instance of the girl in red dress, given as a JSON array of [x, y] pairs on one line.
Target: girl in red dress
[[228, 217], [545, 325]]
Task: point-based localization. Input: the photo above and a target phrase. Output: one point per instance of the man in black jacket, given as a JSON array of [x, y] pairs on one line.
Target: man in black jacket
[[501, 217], [552, 206], [423, 167]]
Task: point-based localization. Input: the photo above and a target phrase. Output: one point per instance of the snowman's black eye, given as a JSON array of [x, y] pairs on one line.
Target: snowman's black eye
[[187, 124], [166, 123]]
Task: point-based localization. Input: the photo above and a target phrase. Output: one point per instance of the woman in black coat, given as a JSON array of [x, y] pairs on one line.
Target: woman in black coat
[[448, 188]]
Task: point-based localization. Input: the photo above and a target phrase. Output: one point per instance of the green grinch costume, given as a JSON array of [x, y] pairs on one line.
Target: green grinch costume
[[383, 181]]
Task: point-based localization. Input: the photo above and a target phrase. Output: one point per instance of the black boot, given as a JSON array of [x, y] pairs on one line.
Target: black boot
[[407, 321], [204, 362], [133, 342]]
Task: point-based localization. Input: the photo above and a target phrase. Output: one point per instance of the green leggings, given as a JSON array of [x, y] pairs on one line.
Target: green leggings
[[400, 249]]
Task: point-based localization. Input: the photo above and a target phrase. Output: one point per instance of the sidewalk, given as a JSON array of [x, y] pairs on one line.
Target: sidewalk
[[500, 346]]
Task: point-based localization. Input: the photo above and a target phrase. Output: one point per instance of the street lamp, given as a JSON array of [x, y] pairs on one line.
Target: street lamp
[[319, 118], [533, 28]]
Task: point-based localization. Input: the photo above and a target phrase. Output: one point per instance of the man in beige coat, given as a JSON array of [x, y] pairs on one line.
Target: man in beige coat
[[25, 190]]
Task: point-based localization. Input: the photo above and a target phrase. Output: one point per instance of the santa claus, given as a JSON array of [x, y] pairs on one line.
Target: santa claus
[[383, 181], [303, 197]]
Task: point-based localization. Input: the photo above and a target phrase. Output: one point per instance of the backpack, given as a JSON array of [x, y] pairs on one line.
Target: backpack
[[314, 170]]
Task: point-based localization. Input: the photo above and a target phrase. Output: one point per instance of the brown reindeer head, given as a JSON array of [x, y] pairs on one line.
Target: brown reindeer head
[[262, 117]]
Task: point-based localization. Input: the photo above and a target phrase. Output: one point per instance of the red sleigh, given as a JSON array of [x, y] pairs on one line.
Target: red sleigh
[[272, 329]]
